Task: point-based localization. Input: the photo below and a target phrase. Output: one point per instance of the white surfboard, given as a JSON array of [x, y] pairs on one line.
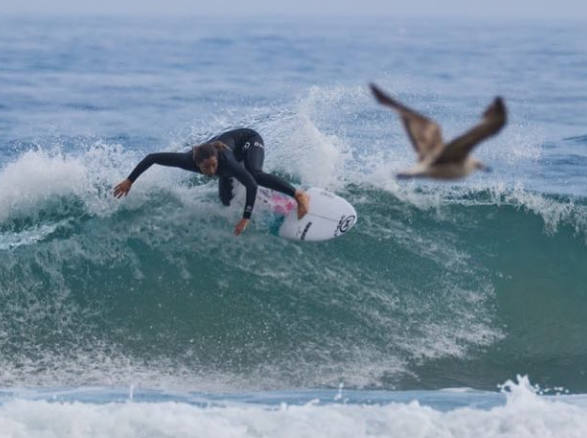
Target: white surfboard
[[329, 215]]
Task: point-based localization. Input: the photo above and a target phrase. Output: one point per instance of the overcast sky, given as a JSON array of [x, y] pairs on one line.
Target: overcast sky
[[549, 9]]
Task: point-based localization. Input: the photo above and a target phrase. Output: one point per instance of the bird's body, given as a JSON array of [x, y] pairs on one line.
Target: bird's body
[[437, 159], [442, 171]]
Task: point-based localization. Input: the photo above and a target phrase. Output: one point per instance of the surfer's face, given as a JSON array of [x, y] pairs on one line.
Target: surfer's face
[[209, 166]]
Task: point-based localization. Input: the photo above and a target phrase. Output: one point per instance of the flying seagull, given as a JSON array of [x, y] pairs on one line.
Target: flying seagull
[[437, 159]]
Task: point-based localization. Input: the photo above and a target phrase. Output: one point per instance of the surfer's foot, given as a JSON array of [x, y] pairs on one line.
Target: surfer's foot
[[303, 201]]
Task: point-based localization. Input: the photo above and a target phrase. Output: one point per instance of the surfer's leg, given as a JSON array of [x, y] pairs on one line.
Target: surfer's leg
[[225, 189], [254, 157]]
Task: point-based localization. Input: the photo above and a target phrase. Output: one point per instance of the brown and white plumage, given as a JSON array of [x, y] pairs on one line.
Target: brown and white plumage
[[435, 158]]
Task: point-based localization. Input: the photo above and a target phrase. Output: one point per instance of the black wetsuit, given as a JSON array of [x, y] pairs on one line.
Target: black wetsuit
[[245, 146]]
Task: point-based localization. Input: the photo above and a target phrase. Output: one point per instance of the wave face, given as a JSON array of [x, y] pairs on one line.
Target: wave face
[[426, 290]]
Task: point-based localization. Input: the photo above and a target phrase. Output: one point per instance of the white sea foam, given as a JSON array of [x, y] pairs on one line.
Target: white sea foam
[[39, 177], [523, 415], [35, 177]]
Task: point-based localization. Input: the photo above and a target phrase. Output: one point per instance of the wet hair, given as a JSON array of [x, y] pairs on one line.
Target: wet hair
[[207, 150]]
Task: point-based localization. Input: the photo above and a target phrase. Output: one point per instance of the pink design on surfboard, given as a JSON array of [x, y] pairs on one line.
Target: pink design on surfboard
[[282, 204]]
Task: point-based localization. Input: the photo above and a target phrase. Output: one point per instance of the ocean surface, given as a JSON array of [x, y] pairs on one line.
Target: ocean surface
[[450, 310]]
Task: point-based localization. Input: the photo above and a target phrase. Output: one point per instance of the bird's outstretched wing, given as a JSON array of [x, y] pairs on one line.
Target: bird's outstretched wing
[[494, 118], [425, 134]]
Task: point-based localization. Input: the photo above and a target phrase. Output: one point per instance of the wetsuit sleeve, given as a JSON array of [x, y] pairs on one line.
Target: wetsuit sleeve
[[247, 180], [225, 188], [182, 160]]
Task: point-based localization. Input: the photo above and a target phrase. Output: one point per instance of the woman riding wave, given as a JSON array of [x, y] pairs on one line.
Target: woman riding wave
[[233, 154]]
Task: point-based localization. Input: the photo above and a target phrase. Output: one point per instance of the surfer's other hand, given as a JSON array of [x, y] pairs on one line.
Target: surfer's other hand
[[241, 226], [122, 189]]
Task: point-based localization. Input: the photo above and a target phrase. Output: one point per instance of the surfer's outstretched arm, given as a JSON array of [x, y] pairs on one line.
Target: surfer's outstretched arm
[[183, 160]]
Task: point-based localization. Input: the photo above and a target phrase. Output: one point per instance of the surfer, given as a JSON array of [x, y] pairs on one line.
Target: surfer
[[239, 154]]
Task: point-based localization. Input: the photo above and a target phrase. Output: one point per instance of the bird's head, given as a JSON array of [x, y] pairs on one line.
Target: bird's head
[[478, 165]]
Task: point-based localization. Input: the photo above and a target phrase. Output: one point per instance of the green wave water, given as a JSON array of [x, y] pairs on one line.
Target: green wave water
[[425, 292]]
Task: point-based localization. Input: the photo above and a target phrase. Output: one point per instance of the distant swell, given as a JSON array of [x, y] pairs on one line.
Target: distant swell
[[578, 139]]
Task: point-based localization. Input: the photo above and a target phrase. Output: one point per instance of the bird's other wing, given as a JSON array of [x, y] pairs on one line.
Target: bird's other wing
[[494, 118]]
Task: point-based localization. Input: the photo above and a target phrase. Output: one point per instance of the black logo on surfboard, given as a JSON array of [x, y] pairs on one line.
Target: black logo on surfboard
[[344, 224], [306, 228]]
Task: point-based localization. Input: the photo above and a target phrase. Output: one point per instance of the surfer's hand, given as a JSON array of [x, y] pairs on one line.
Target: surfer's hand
[[123, 188], [240, 227]]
